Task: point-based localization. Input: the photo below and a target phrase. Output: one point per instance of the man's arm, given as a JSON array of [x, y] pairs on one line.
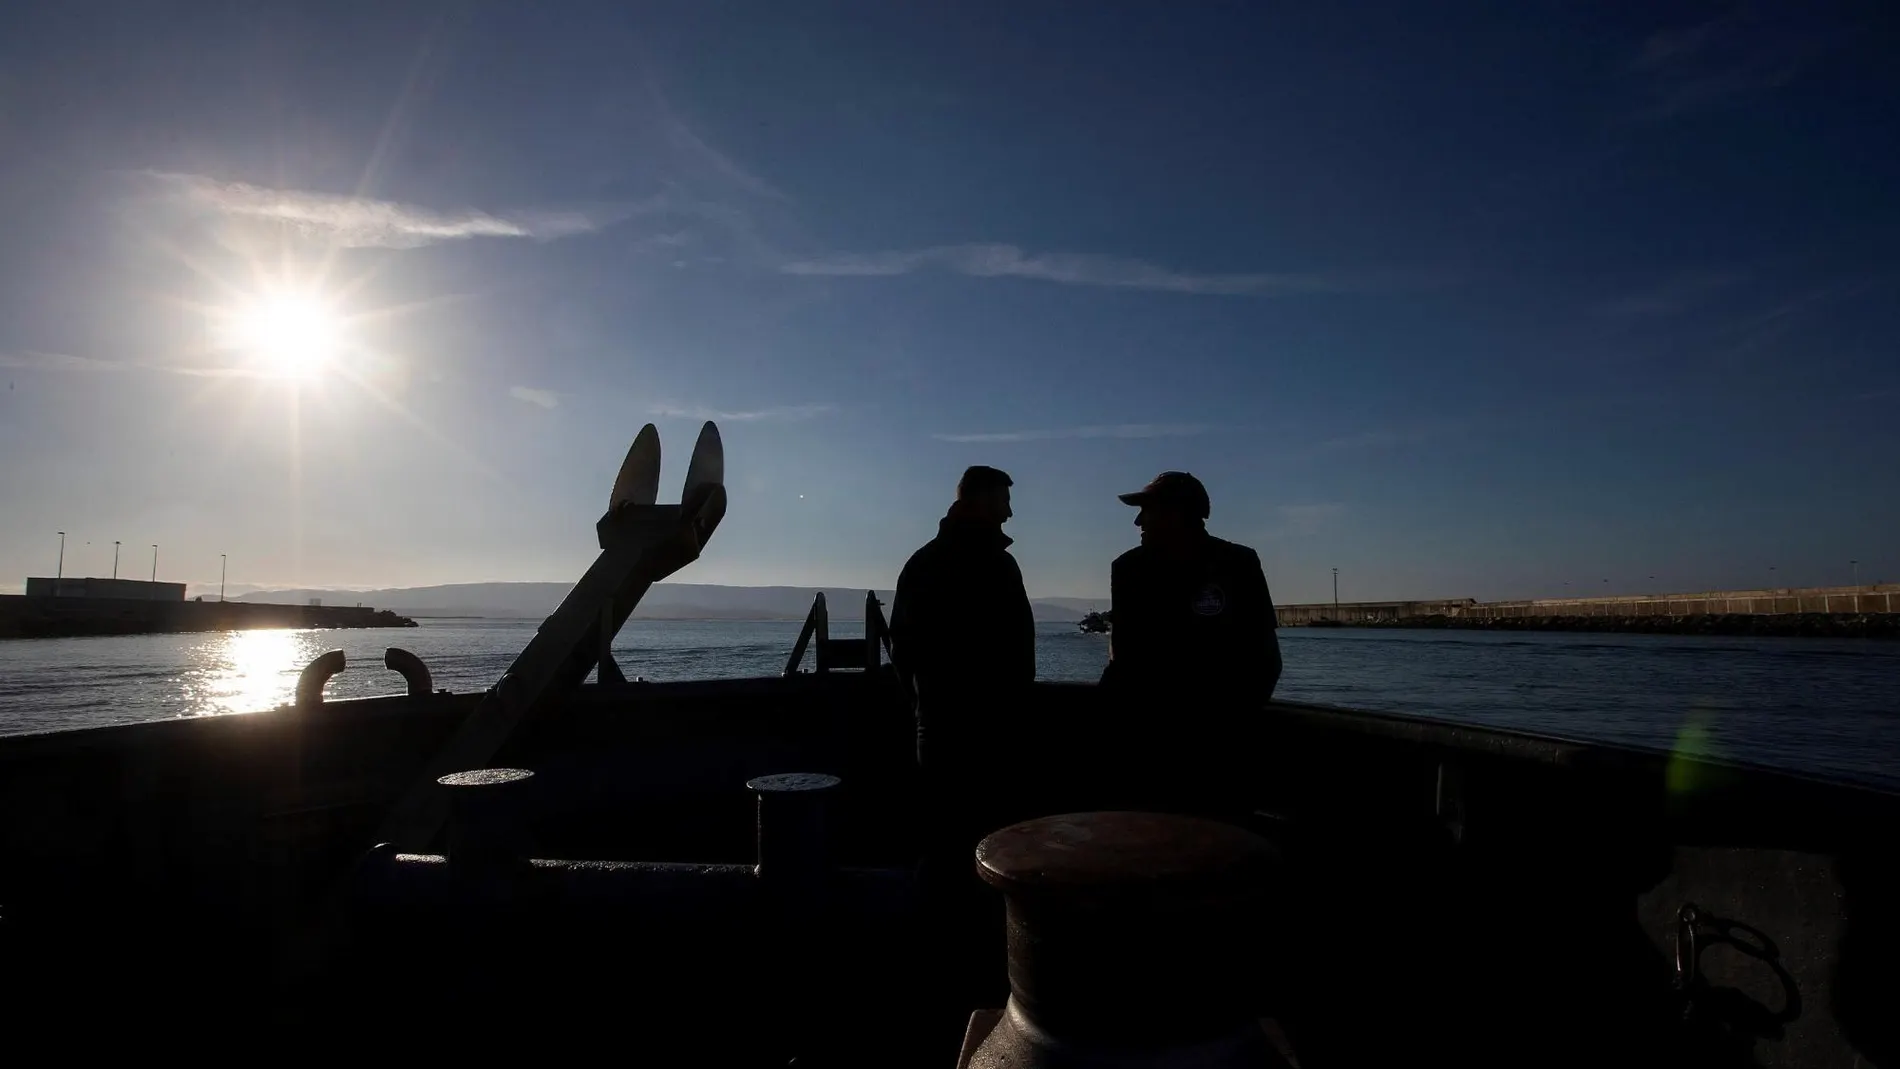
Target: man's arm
[[1023, 646], [912, 622], [1124, 626], [1262, 625]]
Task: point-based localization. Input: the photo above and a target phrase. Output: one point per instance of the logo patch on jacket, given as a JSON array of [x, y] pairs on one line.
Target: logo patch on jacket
[[1210, 601]]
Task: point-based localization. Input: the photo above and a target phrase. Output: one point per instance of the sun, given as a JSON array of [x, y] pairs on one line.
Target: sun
[[291, 334]]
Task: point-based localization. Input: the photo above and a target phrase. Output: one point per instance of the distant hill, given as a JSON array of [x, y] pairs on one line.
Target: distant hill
[[667, 601]]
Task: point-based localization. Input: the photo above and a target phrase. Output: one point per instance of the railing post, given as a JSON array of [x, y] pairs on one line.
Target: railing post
[[821, 618], [805, 634]]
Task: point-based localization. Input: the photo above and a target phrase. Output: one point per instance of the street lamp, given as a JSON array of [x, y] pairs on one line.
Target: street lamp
[[221, 566], [155, 563], [1335, 594], [115, 559], [59, 570]]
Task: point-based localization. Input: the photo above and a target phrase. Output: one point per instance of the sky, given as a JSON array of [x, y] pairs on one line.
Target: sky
[[1540, 299]]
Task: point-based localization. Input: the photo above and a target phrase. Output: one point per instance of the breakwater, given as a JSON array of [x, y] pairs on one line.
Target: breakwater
[[44, 617], [1871, 610], [1790, 625]]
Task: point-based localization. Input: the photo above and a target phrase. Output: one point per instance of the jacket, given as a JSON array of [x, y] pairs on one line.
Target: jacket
[[962, 632], [1198, 628]]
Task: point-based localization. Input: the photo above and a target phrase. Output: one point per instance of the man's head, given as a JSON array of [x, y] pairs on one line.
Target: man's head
[[1174, 509], [983, 495]]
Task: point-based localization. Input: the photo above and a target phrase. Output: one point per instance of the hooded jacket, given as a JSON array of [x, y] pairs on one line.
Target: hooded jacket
[[962, 631]]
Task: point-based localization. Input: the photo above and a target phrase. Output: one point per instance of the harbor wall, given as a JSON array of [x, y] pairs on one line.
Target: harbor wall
[[86, 587], [47, 617], [1368, 612], [1867, 599], [1832, 600]]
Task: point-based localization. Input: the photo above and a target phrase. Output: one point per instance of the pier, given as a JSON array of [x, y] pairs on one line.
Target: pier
[[33, 616], [1869, 609]]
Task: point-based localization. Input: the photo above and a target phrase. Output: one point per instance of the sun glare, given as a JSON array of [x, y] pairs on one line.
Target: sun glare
[[294, 335]]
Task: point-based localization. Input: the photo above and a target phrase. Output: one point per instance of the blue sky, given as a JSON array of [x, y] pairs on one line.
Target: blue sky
[[1541, 295]]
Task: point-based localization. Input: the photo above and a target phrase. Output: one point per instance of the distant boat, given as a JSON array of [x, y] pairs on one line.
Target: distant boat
[[1095, 623]]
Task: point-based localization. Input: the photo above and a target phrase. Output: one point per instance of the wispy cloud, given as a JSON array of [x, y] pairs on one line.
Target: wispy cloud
[[1112, 430], [56, 362], [1747, 50], [698, 153], [62, 363], [1080, 269], [697, 157], [1310, 517], [365, 222], [1376, 438], [543, 398], [1306, 521], [778, 412], [1672, 294]]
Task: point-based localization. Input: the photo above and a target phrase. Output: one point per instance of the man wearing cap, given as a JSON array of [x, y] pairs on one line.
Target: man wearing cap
[[1192, 646]]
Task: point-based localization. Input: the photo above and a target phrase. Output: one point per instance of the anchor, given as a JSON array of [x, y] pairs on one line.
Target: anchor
[[641, 543]]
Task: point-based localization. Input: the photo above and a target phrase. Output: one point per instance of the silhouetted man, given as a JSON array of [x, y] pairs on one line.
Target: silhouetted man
[[961, 628], [1192, 649], [963, 635]]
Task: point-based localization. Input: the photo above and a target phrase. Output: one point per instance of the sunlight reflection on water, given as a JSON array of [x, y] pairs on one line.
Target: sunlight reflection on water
[[247, 671]]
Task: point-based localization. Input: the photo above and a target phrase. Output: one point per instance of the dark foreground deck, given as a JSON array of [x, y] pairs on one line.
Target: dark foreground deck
[[1450, 894]]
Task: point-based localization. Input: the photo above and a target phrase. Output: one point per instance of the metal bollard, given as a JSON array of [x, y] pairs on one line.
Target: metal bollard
[[794, 872], [1133, 941], [488, 828], [794, 841]]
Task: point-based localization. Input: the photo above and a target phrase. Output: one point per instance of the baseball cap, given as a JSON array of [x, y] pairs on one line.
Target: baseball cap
[[1172, 489]]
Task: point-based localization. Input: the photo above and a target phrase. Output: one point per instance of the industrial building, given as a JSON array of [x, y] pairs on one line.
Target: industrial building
[[118, 589]]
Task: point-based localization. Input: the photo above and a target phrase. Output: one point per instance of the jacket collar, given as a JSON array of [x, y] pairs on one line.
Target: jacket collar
[[956, 527]]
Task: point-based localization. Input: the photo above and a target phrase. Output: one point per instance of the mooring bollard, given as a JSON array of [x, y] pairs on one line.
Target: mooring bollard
[[1134, 940], [794, 871], [794, 839], [488, 825]]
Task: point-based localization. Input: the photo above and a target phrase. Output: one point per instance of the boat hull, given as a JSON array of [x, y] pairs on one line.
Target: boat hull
[[1483, 895]]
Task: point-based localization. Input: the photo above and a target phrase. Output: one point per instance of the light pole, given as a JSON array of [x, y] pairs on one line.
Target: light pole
[[59, 570], [1335, 595], [221, 565], [115, 559], [155, 564]]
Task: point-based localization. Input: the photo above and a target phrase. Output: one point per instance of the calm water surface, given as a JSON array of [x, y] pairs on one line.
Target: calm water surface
[[1822, 706]]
